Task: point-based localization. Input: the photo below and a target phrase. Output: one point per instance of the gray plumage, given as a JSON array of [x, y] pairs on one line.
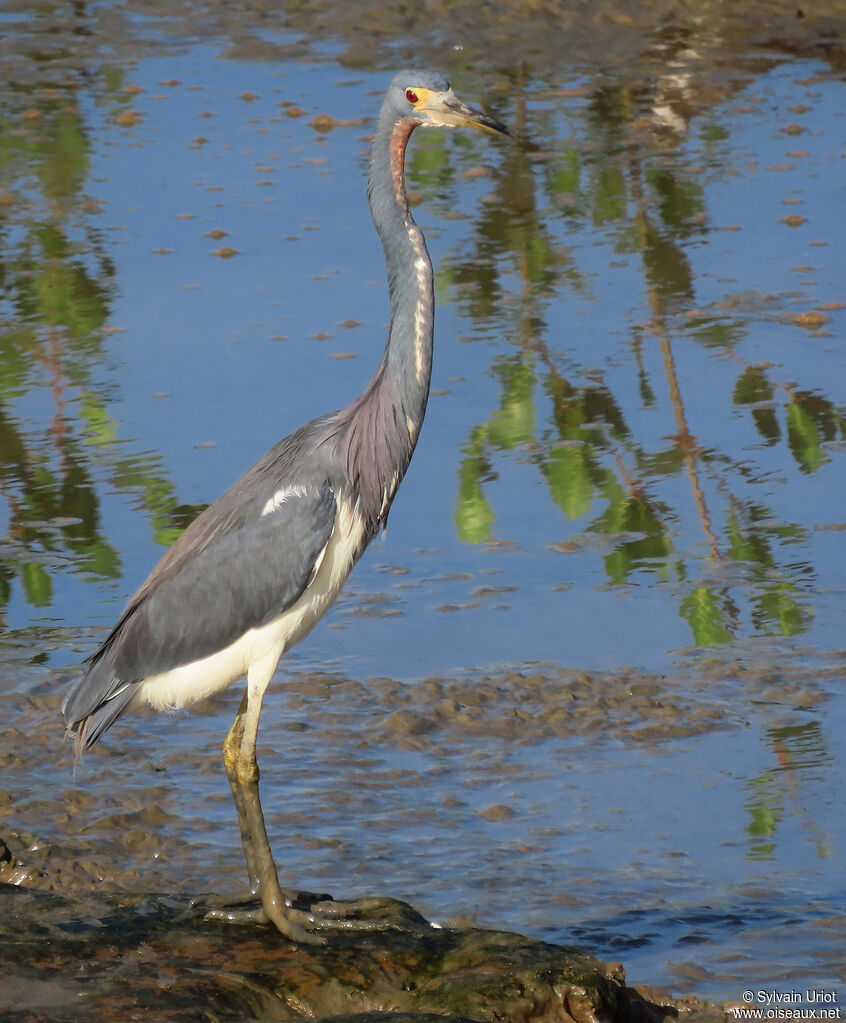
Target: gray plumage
[[259, 567], [199, 598]]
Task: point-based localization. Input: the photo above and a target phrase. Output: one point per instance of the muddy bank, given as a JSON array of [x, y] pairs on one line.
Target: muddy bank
[[110, 957], [458, 794], [370, 34]]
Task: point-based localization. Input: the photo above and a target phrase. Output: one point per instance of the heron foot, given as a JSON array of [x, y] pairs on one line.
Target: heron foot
[[293, 923], [289, 912], [301, 915]]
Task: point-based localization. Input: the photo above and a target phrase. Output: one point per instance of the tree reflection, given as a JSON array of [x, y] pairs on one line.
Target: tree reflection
[[587, 444], [776, 793], [56, 281], [623, 178]]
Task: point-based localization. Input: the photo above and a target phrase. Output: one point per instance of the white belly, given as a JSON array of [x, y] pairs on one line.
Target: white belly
[[183, 686]]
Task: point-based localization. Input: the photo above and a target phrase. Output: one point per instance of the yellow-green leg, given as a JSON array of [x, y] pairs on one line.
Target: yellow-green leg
[[239, 759]]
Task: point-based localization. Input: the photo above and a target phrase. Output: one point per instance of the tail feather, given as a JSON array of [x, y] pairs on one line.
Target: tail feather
[[87, 730], [94, 703]]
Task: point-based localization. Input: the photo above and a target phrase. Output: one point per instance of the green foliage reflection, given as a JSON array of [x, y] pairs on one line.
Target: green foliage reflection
[[56, 282], [795, 750], [589, 453]]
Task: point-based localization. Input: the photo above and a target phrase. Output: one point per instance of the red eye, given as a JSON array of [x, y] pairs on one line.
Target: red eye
[[412, 96]]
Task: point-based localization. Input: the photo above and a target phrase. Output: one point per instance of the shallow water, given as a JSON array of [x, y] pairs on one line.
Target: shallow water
[[619, 549]]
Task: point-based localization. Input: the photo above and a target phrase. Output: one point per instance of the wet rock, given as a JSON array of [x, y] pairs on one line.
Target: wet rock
[[107, 957]]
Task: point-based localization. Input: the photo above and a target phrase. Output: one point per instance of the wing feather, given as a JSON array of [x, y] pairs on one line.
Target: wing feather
[[194, 605]]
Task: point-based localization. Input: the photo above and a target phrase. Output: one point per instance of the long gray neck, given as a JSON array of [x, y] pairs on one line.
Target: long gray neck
[[408, 352], [385, 421]]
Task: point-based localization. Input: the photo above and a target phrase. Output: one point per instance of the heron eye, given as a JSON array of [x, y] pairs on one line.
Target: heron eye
[[412, 96]]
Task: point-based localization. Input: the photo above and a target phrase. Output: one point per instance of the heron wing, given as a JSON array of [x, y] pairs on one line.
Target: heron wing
[[241, 506], [241, 579]]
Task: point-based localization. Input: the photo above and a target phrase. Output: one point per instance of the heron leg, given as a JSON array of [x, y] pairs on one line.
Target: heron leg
[[220, 905], [231, 750], [231, 747], [290, 911], [239, 758]]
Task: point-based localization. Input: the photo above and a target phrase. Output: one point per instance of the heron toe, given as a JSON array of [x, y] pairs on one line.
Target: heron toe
[[303, 914], [293, 923]]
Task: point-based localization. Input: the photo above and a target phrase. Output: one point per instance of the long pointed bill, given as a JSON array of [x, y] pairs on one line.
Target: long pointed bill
[[448, 111]]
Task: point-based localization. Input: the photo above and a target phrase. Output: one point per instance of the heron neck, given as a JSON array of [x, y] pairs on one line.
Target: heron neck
[[382, 425], [407, 362]]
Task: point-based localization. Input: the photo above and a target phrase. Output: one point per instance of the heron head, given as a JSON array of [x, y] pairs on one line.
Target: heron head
[[427, 98]]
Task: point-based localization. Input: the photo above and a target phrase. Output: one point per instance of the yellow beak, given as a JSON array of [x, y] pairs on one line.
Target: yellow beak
[[445, 110]]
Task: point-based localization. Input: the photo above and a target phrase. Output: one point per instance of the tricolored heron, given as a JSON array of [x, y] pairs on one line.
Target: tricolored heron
[[257, 569]]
